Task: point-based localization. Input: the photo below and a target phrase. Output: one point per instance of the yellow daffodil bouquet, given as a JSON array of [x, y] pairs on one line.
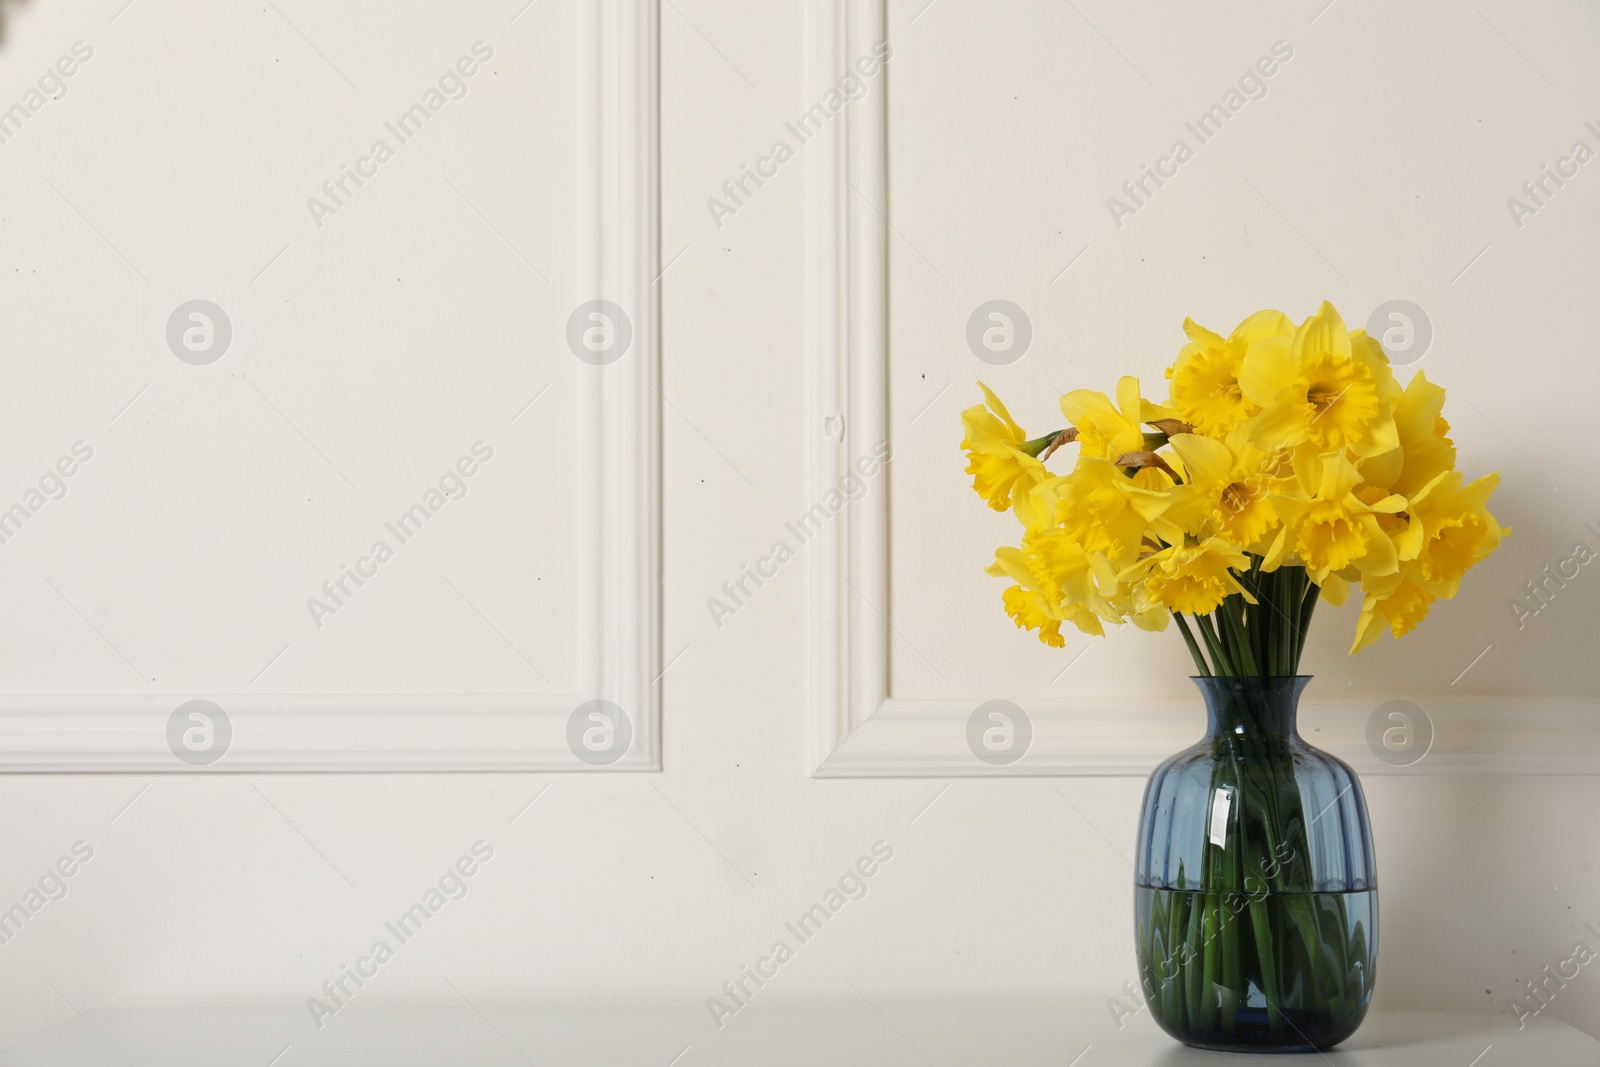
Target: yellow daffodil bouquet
[[1286, 464]]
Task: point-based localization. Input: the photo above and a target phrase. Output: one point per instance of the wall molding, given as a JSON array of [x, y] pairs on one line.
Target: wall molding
[[618, 528], [127, 733], [856, 728], [1471, 736]]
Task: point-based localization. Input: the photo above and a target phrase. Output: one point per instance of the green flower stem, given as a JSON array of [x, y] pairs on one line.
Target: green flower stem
[[1210, 961], [1172, 987], [1283, 623], [1194, 969], [1194, 649], [1338, 953], [1261, 926], [1266, 635], [1358, 951], [1306, 608], [1039, 444], [1287, 611], [1320, 969], [1155, 981], [1219, 659], [1232, 616], [1232, 979]]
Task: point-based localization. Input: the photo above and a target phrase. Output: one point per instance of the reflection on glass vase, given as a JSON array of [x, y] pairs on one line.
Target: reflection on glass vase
[[1255, 893]]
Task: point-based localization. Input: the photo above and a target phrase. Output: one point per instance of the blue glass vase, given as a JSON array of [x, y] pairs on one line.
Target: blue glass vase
[[1255, 893]]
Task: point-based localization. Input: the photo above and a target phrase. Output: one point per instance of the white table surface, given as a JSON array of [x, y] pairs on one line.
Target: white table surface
[[899, 1036]]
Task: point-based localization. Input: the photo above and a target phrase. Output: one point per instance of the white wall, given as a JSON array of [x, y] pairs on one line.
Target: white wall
[[223, 889], [1375, 164], [192, 141]]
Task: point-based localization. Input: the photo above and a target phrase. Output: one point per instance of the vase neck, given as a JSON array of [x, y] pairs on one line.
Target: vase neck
[[1252, 706]]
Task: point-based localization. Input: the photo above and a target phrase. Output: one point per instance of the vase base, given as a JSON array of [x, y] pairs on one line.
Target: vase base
[[1302, 1032], [1214, 964], [1265, 1050]]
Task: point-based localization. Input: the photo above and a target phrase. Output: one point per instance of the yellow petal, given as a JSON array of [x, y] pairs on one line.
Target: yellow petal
[[1268, 371], [1000, 409], [1368, 627], [1260, 326], [1128, 397], [1323, 334], [1408, 542], [1281, 546], [1380, 557], [1339, 476], [1202, 336], [1381, 437], [1208, 462], [1087, 406]]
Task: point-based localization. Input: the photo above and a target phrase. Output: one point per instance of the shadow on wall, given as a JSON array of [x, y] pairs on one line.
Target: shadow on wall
[[5, 13]]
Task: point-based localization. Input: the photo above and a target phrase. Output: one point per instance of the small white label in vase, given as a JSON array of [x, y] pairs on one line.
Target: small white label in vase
[[1220, 802]]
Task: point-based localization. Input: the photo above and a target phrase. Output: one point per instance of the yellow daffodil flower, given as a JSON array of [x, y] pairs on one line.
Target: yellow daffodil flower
[[1001, 471], [1326, 386], [1043, 601], [1425, 451], [1228, 483], [1327, 525], [1449, 529], [1104, 510], [1031, 611], [1190, 579], [1205, 378], [1394, 604], [1106, 430]]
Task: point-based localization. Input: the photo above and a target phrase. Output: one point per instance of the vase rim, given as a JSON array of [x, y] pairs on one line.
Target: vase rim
[[1251, 677]]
